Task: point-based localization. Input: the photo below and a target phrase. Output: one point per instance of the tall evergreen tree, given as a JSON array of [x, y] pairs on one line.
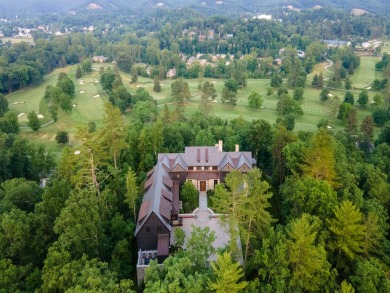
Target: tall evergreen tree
[[113, 133], [78, 72], [227, 275], [347, 229], [3, 105], [132, 193], [319, 158], [309, 267]]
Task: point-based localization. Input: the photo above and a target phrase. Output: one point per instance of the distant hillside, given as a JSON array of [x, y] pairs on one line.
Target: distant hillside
[[207, 6], [37, 6]]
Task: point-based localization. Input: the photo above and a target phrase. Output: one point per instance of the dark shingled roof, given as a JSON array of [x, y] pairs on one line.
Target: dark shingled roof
[[208, 156], [175, 200], [153, 195], [162, 193], [165, 208], [143, 211], [166, 194]]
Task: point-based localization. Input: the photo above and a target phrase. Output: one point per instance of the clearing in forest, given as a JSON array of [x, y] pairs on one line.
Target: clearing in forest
[[32, 99]]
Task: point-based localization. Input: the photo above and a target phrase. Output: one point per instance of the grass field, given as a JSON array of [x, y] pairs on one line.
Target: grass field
[[86, 107], [89, 108], [365, 73], [17, 40], [386, 47]]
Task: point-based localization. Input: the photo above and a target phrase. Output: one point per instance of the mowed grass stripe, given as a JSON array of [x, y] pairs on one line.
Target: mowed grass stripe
[[365, 74]]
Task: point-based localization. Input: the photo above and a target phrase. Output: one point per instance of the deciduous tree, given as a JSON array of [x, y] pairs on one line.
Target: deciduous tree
[[33, 121], [324, 95], [255, 100], [190, 196], [62, 137]]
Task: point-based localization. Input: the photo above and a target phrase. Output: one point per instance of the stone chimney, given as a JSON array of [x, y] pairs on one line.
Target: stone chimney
[[237, 148], [220, 146]]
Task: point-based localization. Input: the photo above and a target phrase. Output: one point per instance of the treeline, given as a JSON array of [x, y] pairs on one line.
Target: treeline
[[159, 41], [80, 227]]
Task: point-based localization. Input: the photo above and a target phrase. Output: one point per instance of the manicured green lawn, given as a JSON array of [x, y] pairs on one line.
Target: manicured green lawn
[[89, 108], [86, 108], [365, 74], [17, 40]]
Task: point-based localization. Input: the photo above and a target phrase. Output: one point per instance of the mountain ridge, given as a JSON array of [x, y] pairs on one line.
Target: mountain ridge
[[238, 6]]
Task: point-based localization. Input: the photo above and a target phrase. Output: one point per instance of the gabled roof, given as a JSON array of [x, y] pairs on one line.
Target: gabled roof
[[155, 200], [165, 162], [201, 156], [162, 193], [242, 160], [226, 160], [179, 161]]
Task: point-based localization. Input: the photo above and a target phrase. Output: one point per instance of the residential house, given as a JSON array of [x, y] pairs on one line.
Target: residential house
[[99, 59], [336, 43], [171, 73], [205, 167]]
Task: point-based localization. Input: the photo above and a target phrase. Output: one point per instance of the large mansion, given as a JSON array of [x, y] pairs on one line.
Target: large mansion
[[159, 213]]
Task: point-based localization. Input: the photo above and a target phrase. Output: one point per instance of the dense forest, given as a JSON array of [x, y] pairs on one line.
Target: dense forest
[[312, 217]]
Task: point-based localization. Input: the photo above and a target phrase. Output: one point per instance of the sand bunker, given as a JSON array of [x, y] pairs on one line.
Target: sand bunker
[[40, 116], [330, 95], [96, 96], [213, 101], [328, 126], [96, 81], [21, 114], [214, 81], [74, 105], [81, 82], [368, 88], [15, 103], [82, 91]]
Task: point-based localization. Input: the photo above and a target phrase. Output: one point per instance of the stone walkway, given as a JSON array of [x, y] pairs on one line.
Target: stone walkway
[[202, 200]]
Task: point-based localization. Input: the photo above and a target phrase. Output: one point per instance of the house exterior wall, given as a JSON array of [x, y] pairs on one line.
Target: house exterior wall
[[148, 240], [210, 183]]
